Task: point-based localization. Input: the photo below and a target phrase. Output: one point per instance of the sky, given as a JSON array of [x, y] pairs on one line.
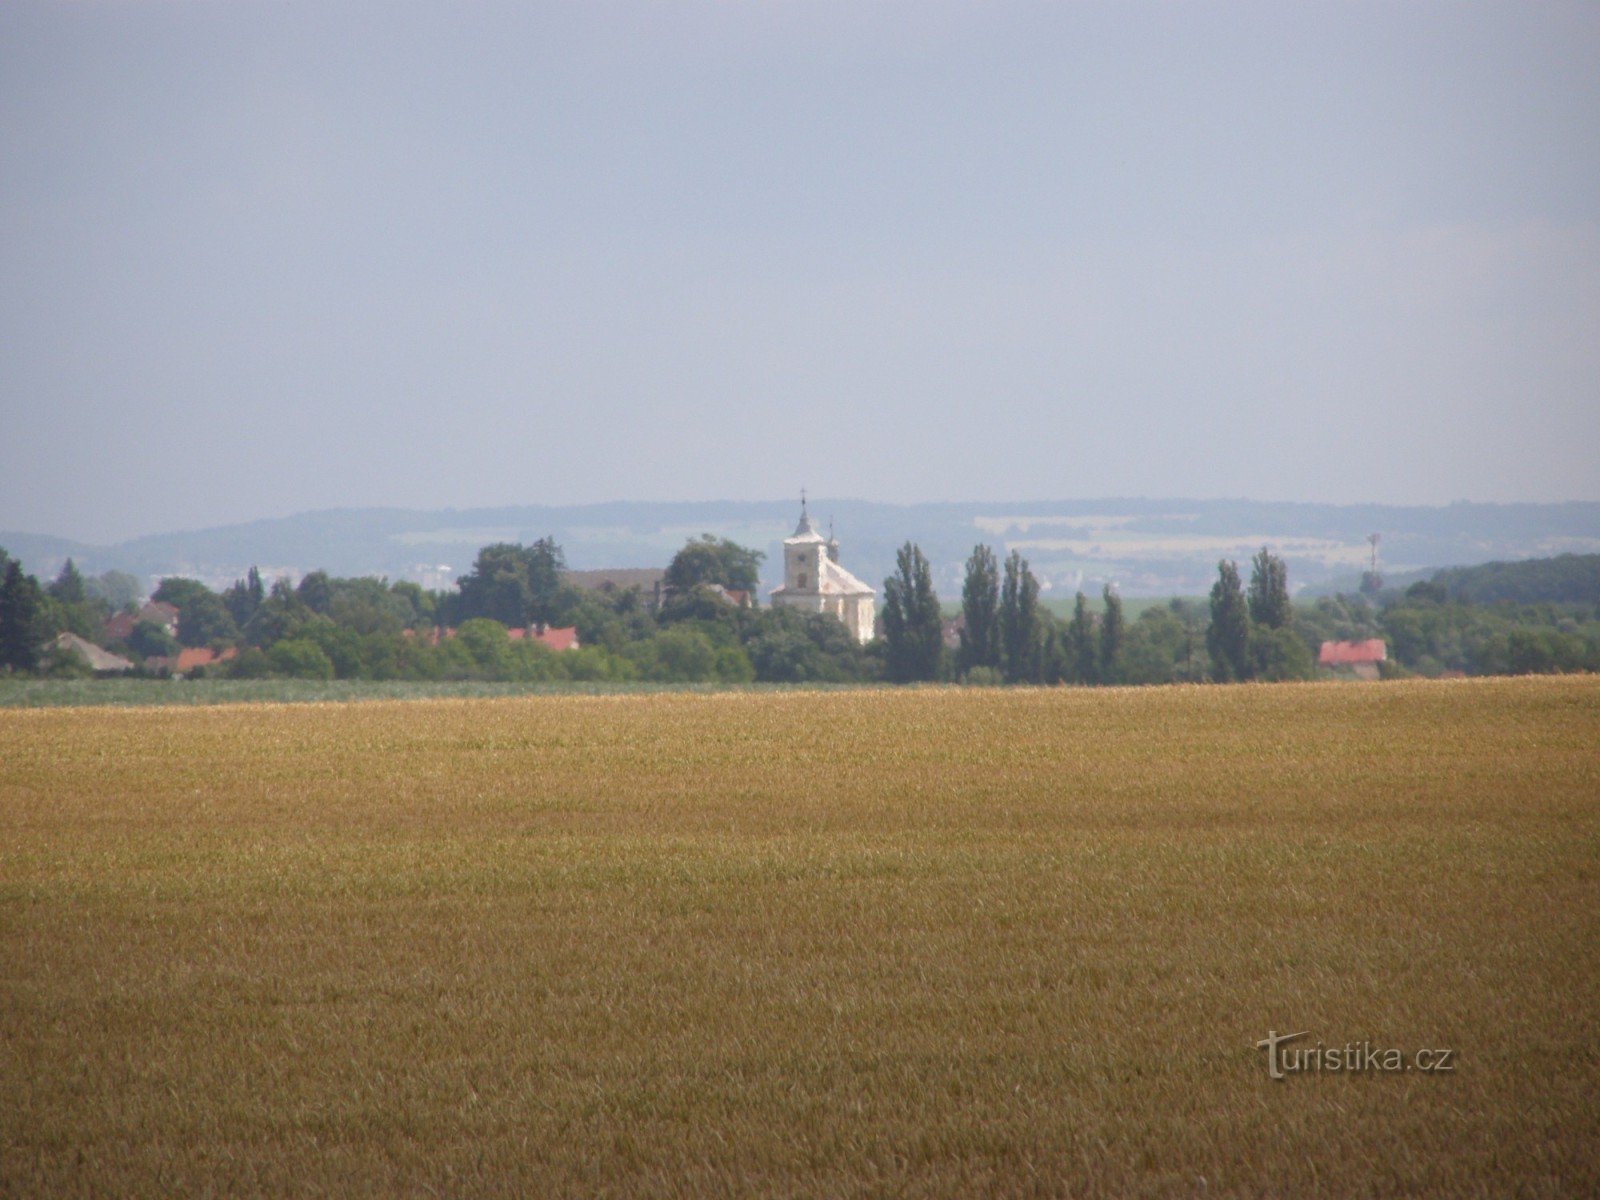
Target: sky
[[264, 258]]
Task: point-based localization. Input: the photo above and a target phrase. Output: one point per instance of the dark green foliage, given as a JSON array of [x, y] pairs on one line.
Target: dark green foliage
[[1269, 591], [21, 618], [175, 590], [113, 589], [204, 619], [1428, 637], [911, 622], [712, 560], [244, 597], [279, 616], [1278, 654], [315, 591], [789, 646], [513, 584], [1228, 637], [149, 640], [980, 602], [1021, 631], [299, 658], [1565, 579], [1113, 633], [1081, 655], [68, 587]]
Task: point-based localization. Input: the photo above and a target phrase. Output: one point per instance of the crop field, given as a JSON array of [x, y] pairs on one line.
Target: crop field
[[949, 942]]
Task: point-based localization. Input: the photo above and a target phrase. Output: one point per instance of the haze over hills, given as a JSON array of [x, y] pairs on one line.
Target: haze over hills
[[1144, 546]]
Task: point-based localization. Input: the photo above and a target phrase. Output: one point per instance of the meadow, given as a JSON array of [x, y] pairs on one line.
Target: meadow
[[946, 942]]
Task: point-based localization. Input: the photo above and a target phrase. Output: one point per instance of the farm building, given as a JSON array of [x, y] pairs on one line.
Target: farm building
[[100, 660], [1360, 659]]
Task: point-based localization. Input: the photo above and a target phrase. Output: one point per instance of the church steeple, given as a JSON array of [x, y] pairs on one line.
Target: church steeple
[[805, 526]]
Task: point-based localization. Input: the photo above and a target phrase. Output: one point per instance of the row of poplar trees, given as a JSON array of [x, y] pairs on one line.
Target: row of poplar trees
[[1006, 636]]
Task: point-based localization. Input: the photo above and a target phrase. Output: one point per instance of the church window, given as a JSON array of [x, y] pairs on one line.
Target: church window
[[802, 579]]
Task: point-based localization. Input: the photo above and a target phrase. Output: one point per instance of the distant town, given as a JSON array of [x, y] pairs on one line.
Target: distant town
[[707, 615]]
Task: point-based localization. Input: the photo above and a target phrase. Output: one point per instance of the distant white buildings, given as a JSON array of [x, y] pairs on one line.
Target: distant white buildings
[[813, 581]]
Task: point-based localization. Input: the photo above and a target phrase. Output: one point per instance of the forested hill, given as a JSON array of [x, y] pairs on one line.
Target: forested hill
[[1145, 546], [1566, 579]]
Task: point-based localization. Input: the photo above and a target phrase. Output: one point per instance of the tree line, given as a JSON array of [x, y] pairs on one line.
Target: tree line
[[326, 627], [1004, 635]]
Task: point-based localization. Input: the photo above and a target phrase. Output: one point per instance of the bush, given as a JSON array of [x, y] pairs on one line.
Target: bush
[[299, 658]]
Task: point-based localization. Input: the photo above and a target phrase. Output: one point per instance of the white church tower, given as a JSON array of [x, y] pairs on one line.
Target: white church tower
[[814, 581]]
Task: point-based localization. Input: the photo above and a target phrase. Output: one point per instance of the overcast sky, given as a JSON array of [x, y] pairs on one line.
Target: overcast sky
[[262, 258]]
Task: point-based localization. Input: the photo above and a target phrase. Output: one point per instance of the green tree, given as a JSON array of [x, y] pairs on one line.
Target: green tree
[[513, 584], [150, 640], [21, 610], [175, 589], [1269, 591], [68, 587], [712, 560], [1082, 655], [1113, 633], [244, 597], [1228, 636], [115, 589], [980, 603], [279, 616], [299, 658], [203, 618], [1021, 634], [911, 622], [316, 591]]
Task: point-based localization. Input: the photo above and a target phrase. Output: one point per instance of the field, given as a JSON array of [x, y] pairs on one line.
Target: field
[[886, 943]]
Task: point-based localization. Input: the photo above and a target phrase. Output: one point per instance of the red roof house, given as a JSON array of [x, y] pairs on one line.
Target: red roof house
[[1360, 658]]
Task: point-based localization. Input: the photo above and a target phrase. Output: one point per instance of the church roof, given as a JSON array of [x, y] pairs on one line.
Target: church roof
[[805, 531], [836, 579], [832, 580]]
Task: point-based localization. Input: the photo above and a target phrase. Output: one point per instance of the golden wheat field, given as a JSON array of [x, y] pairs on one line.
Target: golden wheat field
[[875, 943]]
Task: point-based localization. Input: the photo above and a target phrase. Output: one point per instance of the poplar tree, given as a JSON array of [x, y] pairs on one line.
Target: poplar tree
[[1269, 590], [1228, 637], [911, 625], [1082, 659], [980, 601], [21, 602], [1020, 632], [1113, 631]]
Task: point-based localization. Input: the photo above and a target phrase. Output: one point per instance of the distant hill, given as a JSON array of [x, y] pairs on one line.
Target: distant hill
[[1565, 579], [1145, 546]]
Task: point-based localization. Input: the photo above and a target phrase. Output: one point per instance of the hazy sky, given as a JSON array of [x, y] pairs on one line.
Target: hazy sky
[[259, 258]]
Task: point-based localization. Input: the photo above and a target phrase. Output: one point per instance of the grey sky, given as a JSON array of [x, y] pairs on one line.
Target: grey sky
[[263, 258]]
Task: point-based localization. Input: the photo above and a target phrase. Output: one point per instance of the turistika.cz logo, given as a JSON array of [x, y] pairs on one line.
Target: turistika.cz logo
[[1284, 1060]]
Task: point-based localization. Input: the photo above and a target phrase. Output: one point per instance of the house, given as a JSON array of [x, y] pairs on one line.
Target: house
[[100, 660], [190, 657], [813, 580], [556, 639], [651, 582], [1360, 659], [737, 597], [155, 612]]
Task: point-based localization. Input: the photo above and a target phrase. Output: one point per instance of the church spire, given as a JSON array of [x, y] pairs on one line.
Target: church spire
[[805, 525]]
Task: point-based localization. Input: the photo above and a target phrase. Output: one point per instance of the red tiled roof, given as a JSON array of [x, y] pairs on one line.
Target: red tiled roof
[[191, 657], [1348, 654], [559, 639]]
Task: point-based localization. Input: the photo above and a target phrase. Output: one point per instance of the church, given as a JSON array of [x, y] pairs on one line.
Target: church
[[813, 580]]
